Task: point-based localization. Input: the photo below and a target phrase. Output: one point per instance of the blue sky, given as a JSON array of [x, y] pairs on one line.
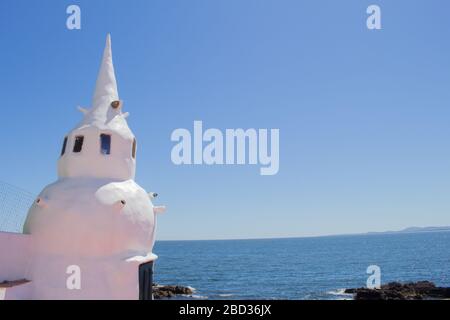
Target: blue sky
[[363, 115]]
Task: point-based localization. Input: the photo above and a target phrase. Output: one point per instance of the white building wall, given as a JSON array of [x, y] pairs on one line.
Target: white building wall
[[14, 256]]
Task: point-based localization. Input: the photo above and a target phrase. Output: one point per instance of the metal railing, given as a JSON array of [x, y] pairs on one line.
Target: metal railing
[[14, 205]]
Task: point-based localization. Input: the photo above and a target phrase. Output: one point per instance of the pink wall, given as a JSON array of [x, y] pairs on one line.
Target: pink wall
[[14, 256]]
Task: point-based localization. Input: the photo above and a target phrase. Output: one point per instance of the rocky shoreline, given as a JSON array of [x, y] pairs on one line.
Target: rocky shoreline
[[164, 292], [421, 290]]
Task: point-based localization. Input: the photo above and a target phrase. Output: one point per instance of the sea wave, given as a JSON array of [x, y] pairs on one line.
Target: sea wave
[[196, 296], [340, 294]]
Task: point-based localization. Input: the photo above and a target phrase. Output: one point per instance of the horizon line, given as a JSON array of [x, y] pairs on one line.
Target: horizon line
[[369, 233]]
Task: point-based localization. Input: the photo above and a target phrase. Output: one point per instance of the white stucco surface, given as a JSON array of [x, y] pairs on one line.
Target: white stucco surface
[[15, 255]]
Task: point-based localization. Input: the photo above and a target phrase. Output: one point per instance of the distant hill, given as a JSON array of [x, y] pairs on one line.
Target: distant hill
[[415, 230]]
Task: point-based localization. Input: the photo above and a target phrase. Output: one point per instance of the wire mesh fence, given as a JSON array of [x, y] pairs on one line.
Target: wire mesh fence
[[14, 205]]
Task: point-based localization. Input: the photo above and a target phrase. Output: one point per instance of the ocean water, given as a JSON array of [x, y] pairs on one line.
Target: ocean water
[[300, 268]]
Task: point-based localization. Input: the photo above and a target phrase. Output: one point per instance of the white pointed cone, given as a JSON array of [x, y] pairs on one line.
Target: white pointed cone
[[106, 86]]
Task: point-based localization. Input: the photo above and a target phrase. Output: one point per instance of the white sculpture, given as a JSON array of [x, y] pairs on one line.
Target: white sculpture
[[94, 216]]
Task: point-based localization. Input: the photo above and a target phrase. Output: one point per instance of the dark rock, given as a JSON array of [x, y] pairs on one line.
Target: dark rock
[[8, 284], [402, 291], [162, 292]]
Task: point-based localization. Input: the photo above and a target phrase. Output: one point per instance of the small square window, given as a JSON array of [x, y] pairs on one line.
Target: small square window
[[105, 144], [134, 149], [64, 146], [78, 145]]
